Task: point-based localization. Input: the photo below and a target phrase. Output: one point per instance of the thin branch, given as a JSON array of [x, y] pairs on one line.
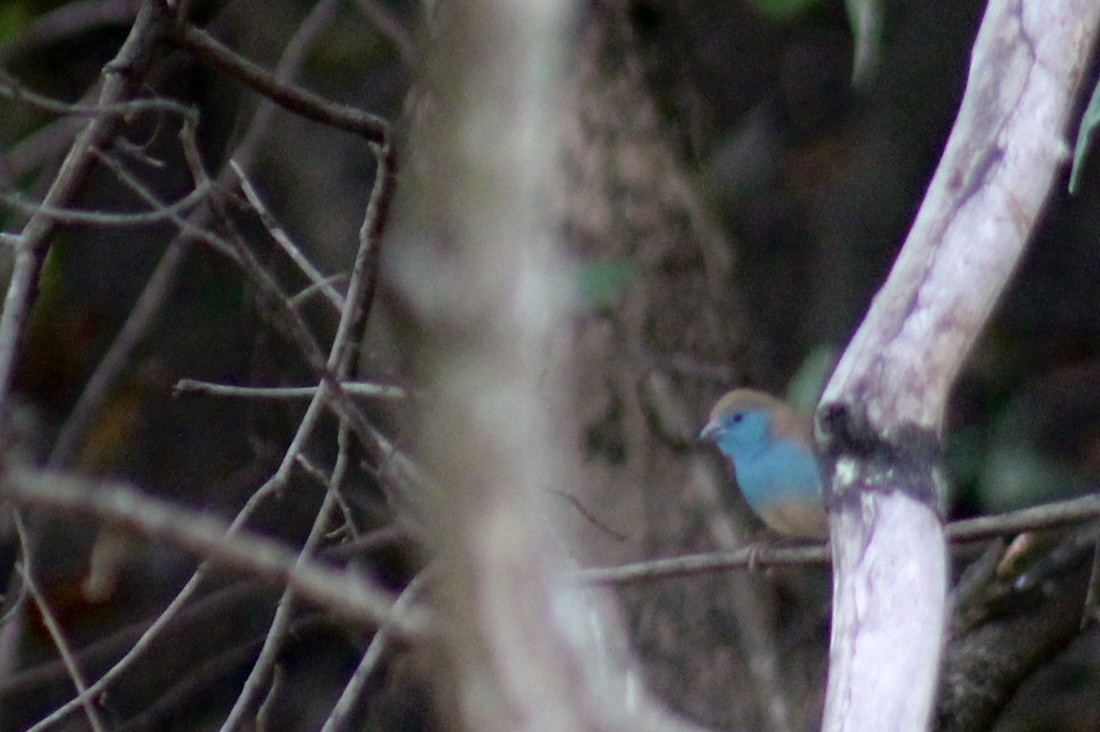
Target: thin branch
[[331, 370], [272, 485], [186, 225], [104, 650], [343, 404], [279, 236], [324, 479], [156, 290], [353, 691], [26, 573], [66, 21], [266, 660], [369, 256], [45, 143], [13, 90], [353, 388], [368, 542], [286, 95], [310, 290], [1039, 518], [211, 538], [343, 354], [1056, 515], [693, 564], [107, 218], [122, 76], [295, 325]]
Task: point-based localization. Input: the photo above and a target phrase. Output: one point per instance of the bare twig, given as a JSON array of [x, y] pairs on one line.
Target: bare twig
[[353, 388], [100, 652], [279, 236], [106, 218], [273, 484], [331, 370], [26, 572], [324, 479], [693, 564], [16, 92], [353, 691], [364, 270], [297, 100], [68, 20], [266, 661], [157, 290], [1054, 515], [159, 285], [369, 541], [122, 76], [1039, 518], [42, 144], [310, 290], [211, 539]]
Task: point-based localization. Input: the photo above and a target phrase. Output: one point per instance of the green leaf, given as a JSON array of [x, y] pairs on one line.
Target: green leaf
[[865, 17], [14, 17], [804, 388], [1089, 120], [601, 281]]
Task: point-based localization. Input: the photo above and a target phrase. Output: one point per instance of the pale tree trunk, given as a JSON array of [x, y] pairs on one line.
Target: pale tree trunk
[[881, 417], [520, 646]]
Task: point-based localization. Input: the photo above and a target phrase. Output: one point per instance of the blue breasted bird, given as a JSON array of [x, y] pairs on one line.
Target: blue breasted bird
[[770, 446]]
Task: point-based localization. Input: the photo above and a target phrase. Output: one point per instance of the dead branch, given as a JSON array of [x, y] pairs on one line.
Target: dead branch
[[881, 415]]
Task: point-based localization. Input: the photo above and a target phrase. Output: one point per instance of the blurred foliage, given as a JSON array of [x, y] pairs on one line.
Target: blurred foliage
[[864, 16], [601, 281], [786, 9], [65, 336], [14, 16], [1089, 120], [1014, 470], [867, 24], [804, 388]]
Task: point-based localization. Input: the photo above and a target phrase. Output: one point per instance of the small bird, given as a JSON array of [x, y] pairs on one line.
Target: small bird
[[770, 447]]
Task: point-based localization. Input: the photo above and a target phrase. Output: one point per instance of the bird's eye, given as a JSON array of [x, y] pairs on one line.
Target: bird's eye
[[737, 418]]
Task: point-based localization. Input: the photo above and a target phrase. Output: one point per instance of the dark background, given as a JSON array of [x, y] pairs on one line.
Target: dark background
[[810, 185]]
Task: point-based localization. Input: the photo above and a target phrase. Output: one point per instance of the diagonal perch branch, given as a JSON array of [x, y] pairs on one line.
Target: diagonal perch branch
[[880, 417], [207, 537]]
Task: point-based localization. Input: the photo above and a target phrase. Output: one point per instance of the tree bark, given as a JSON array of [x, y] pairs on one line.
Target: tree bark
[[880, 419]]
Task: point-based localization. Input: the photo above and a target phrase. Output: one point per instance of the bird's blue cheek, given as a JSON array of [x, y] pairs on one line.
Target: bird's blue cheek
[[734, 446]]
